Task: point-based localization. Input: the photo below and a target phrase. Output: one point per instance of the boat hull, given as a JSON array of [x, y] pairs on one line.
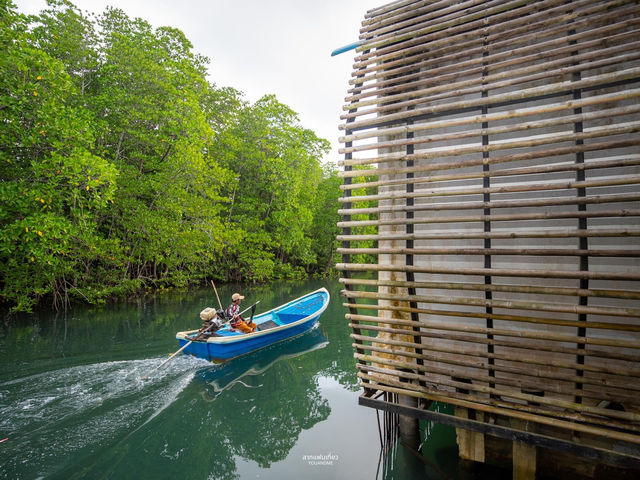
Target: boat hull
[[231, 345]]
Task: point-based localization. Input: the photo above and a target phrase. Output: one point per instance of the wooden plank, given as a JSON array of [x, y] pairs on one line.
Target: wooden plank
[[494, 272], [494, 287], [441, 86], [470, 444], [531, 359], [407, 63], [457, 399], [545, 335], [549, 108], [411, 66], [573, 447], [525, 126], [413, 76], [506, 234], [524, 458], [505, 317], [439, 372], [508, 188], [554, 88]]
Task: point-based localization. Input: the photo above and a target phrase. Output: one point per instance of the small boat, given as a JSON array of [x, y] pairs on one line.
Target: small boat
[[283, 322]]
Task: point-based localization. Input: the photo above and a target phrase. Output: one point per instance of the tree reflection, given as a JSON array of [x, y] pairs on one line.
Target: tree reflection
[[269, 396], [250, 409]]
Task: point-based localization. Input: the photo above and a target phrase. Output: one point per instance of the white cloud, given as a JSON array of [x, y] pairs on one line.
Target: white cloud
[[280, 47]]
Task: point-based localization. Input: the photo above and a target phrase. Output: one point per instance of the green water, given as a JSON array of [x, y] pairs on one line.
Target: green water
[[72, 404]]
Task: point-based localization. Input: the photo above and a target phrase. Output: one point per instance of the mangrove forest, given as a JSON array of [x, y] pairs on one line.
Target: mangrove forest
[[124, 169]]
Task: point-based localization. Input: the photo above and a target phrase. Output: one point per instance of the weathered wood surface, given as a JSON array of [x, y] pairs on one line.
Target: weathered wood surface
[[491, 209]]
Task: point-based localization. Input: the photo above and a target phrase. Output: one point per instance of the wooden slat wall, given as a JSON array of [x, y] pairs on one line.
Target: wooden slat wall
[[491, 233]]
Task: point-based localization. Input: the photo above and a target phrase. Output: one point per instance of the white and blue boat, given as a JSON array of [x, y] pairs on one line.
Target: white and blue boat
[[286, 321]]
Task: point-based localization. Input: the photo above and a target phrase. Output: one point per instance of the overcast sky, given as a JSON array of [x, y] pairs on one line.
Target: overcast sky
[[280, 47]]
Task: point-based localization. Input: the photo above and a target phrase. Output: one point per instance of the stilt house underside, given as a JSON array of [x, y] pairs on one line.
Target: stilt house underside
[[491, 234]]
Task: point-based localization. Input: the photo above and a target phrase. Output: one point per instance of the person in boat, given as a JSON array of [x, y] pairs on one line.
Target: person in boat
[[237, 322]]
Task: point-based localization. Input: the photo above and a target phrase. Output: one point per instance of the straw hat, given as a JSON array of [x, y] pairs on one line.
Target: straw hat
[[236, 296]]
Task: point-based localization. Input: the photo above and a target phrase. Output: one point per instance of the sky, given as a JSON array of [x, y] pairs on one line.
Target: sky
[[261, 47]]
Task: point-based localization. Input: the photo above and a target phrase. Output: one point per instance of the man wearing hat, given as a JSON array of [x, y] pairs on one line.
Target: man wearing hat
[[233, 312]]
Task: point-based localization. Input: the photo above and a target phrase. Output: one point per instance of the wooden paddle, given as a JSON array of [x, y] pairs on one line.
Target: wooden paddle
[[215, 290], [252, 307]]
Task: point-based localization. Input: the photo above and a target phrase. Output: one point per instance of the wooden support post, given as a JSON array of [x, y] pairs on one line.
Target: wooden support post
[[524, 461], [407, 425], [525, 455], [470, 444]]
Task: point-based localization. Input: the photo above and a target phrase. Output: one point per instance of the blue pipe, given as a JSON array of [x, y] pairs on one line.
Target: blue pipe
[[346, 48]]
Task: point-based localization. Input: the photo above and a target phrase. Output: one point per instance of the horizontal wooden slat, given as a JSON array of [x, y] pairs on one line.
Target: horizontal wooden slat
[[492, 272], [601, 163], [495, 234], [439, 87], [520, 396], [418, 12], [547, 336], [499, 407], [409, 68], [433, 352], [493, 117], [547, 345], [540, 52], [542, 202], [511, 304], [550, 252], [494, 218], [493, 287], [515, 23], [518, 143], [507, 188], [498, 381], [495, 316], [557, 88], [400, 41], [570, 119]]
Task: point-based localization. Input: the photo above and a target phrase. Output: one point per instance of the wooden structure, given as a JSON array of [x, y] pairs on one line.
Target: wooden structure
[[491, 239]]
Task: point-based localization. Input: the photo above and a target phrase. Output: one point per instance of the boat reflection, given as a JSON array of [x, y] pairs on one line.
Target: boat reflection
[[216, 379]]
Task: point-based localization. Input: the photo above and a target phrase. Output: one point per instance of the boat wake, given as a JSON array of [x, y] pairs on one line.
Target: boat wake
[[49, 414]]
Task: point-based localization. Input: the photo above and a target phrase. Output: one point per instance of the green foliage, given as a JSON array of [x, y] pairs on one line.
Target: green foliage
[[53, 188], [277, 175], [324, 230], [122, 168], [364, 191]]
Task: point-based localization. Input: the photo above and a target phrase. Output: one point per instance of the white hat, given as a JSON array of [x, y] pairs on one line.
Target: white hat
[[236, 296]]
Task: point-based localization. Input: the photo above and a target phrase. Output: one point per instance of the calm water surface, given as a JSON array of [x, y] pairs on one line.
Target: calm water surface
[[72, 404]]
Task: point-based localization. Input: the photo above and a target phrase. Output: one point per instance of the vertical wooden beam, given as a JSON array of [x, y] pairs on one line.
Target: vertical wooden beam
[[583, 242], [408, 426], [347, 231], [486, 197], [524, 461], [470, 444]]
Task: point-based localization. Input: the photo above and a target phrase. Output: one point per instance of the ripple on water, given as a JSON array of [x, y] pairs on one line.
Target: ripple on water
[[52, 414]]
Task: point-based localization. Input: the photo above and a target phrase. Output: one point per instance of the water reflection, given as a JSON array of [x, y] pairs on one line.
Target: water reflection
[[222, 377], [269, 386], [251, 409], [72, 408]]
